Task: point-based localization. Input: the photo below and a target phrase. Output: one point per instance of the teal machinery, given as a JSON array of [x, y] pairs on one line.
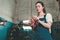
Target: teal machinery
[[4, 28]]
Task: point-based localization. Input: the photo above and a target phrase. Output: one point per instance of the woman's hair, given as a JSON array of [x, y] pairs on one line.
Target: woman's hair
[[42, 5]]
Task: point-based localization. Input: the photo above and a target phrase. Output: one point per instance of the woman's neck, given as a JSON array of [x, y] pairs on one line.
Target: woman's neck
[[41, 14]]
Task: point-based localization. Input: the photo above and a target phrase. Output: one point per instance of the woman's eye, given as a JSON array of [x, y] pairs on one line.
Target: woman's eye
[[38, 6]]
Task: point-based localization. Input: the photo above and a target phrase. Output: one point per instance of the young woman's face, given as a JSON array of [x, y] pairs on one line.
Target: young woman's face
[[39, 7]]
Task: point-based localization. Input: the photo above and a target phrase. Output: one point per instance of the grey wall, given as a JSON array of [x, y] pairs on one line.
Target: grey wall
[[7, 8]]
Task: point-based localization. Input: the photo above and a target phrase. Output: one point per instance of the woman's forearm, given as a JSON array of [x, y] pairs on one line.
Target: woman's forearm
[[47, 25]]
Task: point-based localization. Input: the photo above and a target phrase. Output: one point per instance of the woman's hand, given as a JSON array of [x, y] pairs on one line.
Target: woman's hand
[[33, 21], [36, 18]]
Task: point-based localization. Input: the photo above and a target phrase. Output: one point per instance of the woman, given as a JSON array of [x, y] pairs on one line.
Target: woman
[[44, 22]]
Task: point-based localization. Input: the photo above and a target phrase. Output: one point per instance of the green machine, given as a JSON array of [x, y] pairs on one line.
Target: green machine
[[4, 28]]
